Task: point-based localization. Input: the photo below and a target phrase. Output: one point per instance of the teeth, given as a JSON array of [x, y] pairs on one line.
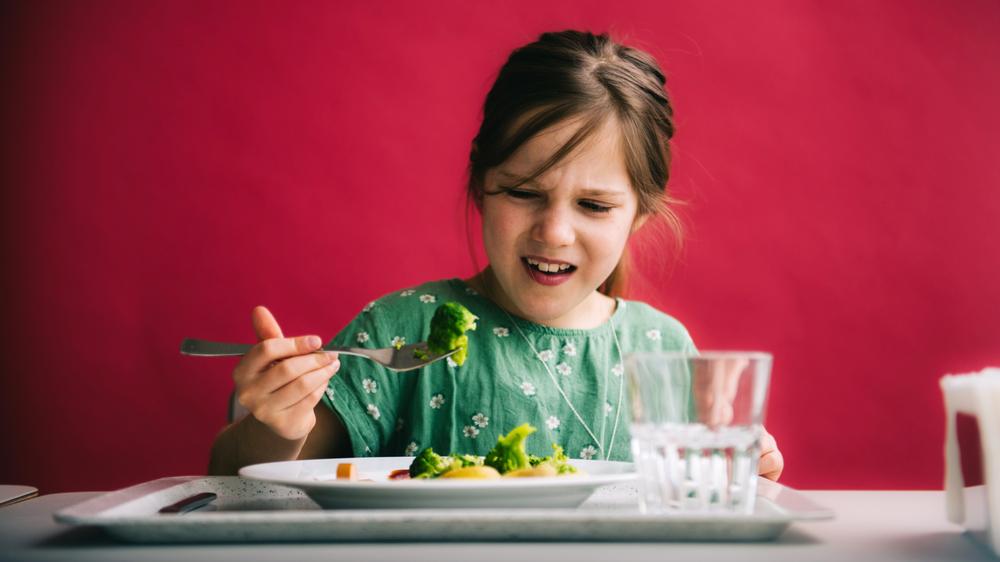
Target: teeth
[[548, 267]]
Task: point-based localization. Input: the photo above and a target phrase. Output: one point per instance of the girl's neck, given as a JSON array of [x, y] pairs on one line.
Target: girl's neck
[[588, 314]]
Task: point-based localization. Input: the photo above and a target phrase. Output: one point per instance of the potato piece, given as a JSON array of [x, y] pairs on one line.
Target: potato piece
[[347, 471], [474, 472], [533, 471]]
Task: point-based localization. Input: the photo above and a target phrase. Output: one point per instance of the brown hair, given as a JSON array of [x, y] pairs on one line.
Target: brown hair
[[579, 75]]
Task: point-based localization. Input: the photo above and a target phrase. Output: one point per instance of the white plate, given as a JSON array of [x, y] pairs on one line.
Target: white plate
[[317, 478]]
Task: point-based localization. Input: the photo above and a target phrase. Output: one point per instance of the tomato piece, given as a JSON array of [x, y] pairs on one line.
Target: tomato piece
[[400, 474]]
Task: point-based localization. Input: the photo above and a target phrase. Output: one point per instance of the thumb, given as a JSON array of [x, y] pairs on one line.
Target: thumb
[[264, 324]]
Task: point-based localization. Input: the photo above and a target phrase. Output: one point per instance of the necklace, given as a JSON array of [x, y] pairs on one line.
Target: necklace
[[605, 454]]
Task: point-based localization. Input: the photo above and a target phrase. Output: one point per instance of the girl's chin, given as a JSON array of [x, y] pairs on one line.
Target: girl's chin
[[547, 309]]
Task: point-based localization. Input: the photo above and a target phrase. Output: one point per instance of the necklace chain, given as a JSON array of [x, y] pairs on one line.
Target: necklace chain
[[555, 381], [600, 443]]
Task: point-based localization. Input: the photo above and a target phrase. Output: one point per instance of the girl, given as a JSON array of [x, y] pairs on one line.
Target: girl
[[572, 157]]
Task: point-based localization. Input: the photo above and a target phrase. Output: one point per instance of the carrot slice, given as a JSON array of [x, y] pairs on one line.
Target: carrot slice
[[346, 471]]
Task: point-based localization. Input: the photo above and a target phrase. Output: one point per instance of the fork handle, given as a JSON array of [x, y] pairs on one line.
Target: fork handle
[[205, 348]]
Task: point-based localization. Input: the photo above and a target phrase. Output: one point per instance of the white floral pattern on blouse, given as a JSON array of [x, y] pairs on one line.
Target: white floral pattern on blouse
[[569, 349], [362, 337], [470, 431], [552, 422], [501, 332], [451, 362], [653, 334], [407, 293], [546, 355], [527, 388], [564, 369], [370, 386], [607, 408], [368, 307], [373, 412], [398, 342], [618, 370], [588, 452], [436, 401], [481, 420], [411, 449], [329, 393], [427, 299]]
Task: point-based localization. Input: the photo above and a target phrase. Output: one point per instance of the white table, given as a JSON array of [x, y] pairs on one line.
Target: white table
[[870, 525]]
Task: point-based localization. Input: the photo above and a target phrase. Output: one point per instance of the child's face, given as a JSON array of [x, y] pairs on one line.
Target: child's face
[[580, 212]]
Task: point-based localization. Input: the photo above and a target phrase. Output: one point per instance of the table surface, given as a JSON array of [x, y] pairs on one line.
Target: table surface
[[870, 525]]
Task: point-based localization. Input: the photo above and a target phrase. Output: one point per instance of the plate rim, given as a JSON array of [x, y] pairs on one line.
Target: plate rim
[[438, 485]]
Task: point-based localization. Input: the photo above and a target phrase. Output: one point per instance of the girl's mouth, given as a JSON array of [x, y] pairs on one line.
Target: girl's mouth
[[547, 273]]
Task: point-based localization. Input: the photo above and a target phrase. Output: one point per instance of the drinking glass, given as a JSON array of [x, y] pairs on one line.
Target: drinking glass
[[697, 422]]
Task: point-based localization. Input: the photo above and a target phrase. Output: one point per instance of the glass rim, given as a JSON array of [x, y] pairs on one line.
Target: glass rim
[[708, 354]]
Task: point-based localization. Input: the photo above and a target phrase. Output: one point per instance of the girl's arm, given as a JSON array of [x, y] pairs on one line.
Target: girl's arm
[[248, 441]]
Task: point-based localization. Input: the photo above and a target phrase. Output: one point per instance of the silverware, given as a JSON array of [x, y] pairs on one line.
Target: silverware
[[190, 503], [403, 359]]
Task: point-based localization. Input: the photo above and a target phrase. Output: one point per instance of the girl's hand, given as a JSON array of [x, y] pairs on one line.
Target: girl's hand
[[280, 380], [771, 462]]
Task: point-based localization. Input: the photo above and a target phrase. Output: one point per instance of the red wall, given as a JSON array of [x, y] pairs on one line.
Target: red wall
[[168, 165]]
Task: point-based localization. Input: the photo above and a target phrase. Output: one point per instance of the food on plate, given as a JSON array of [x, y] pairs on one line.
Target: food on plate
[[533, 471], [429, 464], [347, 471], [509, 454], [507, 459], [400, 474], [473, 472], [448, 326]]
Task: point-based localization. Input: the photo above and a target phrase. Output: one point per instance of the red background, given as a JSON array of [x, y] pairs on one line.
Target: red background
[[168, 165]]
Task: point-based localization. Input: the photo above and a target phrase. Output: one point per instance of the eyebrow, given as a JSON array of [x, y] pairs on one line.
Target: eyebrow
[[591, 191]]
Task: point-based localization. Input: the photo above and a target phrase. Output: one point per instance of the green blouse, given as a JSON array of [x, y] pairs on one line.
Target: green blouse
[[577, 402]]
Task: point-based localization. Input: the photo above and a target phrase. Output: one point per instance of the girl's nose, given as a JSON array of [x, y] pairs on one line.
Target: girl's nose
[[554, 227]]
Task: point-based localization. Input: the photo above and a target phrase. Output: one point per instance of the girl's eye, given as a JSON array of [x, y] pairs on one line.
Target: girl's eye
[[520, 193], [595, 207]]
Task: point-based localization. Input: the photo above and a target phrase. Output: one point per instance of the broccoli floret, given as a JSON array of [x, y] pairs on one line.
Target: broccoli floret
[[560, 461], [462, 461], [448, 326], [429, 464], [509, 454]]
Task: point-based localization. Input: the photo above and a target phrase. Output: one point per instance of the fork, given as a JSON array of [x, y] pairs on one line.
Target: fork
[[402, 359]]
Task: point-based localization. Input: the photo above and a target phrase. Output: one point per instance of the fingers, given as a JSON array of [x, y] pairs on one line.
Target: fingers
[[771, 460], [276, 349], [771, 465], [715, 384], [302, 387], [273, 407], [733, 371], [264, 324], [290, 369]]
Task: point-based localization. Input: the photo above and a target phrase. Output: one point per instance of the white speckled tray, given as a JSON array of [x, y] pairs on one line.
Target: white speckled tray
[[249, 510]]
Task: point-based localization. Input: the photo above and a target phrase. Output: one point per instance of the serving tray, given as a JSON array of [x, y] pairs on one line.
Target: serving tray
[[254, 511]]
